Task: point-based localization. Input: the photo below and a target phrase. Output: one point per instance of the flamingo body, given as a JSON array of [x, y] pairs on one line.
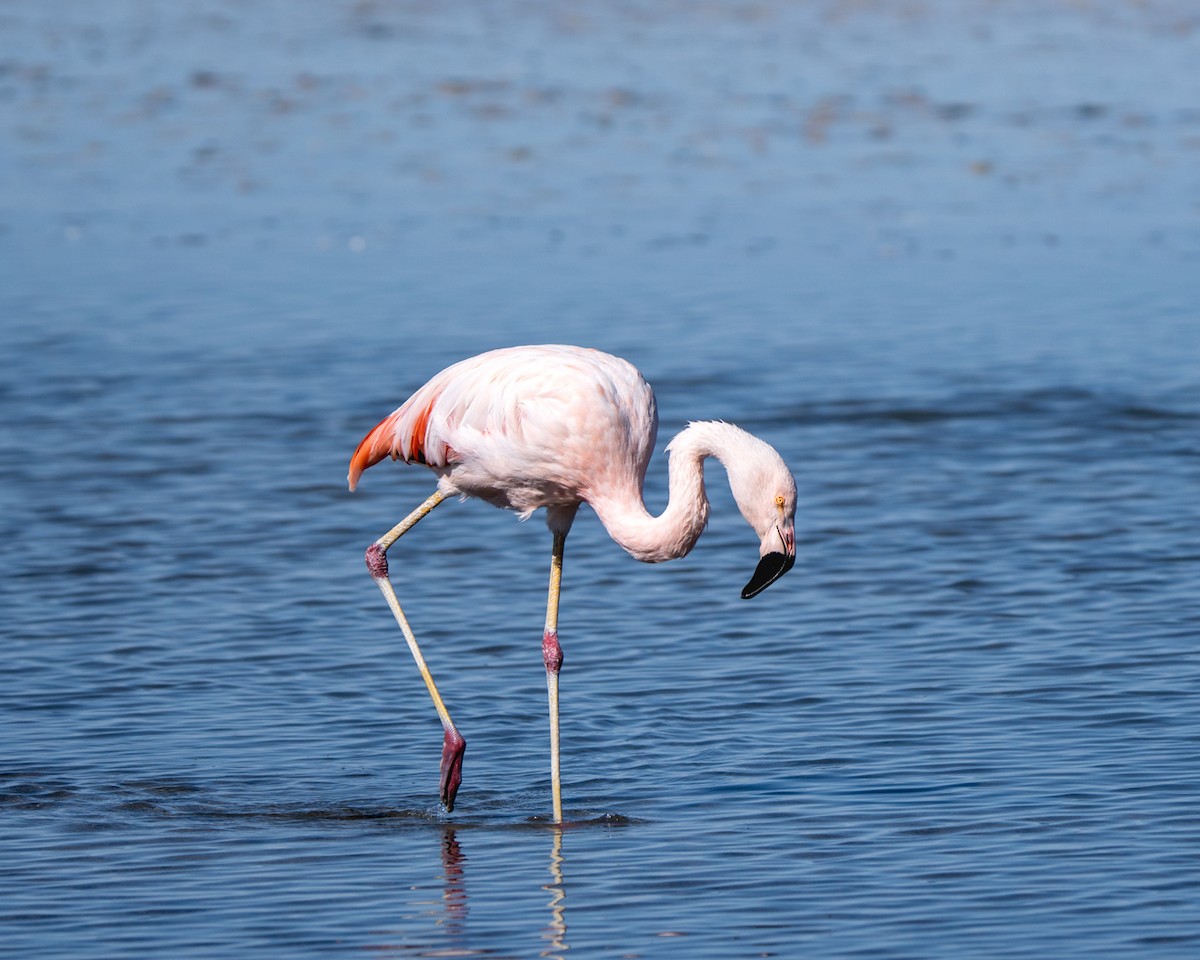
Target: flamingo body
[[557, 426], [521, 428]]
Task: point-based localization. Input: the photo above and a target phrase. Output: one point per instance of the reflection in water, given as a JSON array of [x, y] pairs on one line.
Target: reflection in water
[[449, 915], [454, 890], [450, 935], [556, 930]]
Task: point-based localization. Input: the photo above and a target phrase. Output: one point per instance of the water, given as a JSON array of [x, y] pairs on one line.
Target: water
[[944, 257]]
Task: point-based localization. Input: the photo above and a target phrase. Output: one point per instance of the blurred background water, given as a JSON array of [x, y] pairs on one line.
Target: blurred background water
[[944, 256]]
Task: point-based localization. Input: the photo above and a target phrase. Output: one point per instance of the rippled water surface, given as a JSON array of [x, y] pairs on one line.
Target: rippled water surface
[[945, 257]]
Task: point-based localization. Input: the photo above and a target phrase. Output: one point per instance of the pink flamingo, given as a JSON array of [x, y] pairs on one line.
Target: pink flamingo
[[554, 427]]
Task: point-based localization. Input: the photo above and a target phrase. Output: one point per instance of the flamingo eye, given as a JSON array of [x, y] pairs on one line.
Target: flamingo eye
[[779, 501]]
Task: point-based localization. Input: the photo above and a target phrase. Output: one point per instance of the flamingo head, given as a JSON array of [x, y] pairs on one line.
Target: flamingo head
[[765, 491]]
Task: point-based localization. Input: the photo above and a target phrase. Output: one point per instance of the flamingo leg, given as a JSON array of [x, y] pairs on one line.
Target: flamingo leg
[[553, 657], [454, 745]]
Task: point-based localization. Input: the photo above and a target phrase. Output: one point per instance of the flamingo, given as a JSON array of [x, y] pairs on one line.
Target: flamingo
[[556, 426]]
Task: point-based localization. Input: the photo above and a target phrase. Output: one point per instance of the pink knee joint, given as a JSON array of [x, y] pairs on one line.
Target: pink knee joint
[[551, 651], [377, 562]]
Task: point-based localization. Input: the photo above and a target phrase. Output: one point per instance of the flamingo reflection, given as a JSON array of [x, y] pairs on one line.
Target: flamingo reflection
[[443, 921], [555, 933], [454, 889]]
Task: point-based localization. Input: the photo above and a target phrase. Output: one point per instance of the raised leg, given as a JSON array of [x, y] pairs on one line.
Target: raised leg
[[553, 657], [453, 745]]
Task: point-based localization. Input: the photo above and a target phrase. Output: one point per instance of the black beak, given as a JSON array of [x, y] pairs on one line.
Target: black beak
[[770, 568]]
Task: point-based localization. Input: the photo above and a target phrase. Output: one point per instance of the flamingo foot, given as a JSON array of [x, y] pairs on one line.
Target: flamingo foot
[[452, 757]]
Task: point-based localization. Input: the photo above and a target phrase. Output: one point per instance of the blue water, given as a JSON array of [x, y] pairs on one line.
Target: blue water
[[945, 257]]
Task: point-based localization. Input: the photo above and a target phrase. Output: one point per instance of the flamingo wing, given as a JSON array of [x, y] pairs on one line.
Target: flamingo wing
[[512, 421]]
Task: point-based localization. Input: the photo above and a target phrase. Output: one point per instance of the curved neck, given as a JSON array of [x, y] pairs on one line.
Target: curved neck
[[673, 533]]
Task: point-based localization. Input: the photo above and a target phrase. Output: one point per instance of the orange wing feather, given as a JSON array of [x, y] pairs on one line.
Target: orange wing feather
[[385, 440], [416, 442]]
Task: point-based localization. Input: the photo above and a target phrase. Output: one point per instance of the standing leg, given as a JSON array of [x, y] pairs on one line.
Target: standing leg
[[454, 746], [552, 655]]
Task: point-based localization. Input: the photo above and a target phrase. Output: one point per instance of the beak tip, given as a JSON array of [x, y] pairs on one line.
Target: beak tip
[[770, 568]]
